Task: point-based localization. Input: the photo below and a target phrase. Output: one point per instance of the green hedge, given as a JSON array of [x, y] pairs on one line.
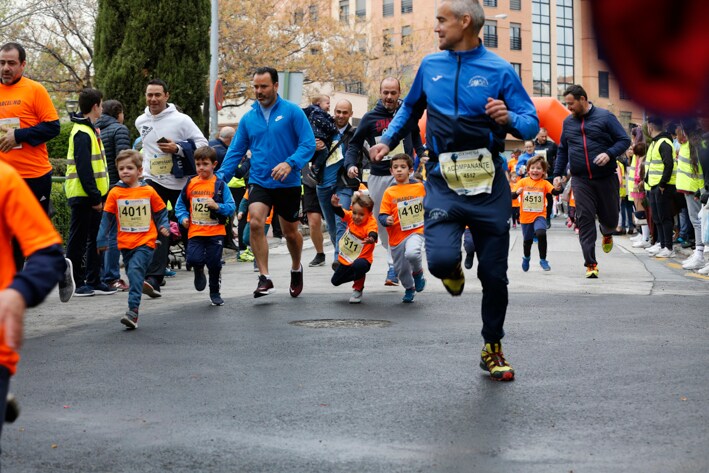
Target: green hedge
[[58, 147], [61, 213]]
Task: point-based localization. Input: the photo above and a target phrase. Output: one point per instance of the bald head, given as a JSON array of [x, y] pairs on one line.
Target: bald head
[[389, 92], [226, 134], [343, 113]]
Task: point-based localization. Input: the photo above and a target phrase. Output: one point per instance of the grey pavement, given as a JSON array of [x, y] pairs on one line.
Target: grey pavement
[[611, 375]]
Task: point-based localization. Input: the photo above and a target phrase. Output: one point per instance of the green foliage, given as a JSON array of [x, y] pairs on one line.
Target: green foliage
[[58, 147], [138, 40], [61, 217]]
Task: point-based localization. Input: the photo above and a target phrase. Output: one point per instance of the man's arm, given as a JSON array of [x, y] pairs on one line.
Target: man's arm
[[306, 142], [619, 137], [38, 134], [668, 162], [522, 120], [354, 147], [562, 157]]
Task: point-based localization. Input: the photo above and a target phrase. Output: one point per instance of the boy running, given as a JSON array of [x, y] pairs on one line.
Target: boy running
[[138, 209], [534, 190], [203, 207], [401, 212], [357, 244]]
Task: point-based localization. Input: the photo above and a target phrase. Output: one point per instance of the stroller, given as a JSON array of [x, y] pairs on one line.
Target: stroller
[[176, 253]]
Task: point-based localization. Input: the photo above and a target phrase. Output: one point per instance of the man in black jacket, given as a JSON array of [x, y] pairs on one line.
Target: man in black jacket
[[591, 138], [373, 125]]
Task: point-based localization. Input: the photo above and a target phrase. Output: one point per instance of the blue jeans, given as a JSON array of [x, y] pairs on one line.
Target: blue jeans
[[4, 388], [111, 258], [332, 220], [136, 261], [626, 214]]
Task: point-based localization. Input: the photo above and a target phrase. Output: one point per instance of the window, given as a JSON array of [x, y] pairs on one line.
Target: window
[[354, 87], [387, 40], [406, 43], [313, 12], [625, 118], [490, 34], [361, 9], [624, 94], [298, 16], [490, 3], [541, 49], [344, 10], [603, 84], [515, 37], [518, 68], [564, 45], [362, 45], [515, 5], [407, 6], [388, 8]]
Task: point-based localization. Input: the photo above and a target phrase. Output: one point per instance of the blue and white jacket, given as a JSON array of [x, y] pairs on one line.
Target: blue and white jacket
[[286, 137], [454, 87]]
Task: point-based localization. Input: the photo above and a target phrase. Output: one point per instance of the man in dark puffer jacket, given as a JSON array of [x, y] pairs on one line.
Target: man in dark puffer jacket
[[115, 138]]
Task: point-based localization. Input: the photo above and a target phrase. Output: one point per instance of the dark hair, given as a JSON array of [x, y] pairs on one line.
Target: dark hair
[[205, 152], [576, 90], [403, 157], [267, 70], [159, 82], [363, 200], [640, 149], [88, 98], [656, 121], [20, 50], [538, 160], [112, 108]]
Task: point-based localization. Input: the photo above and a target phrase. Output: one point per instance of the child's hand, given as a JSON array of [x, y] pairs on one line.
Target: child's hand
[[390, 221], [368, 240], [165, 232], [211, 204], [335, 201], [185, 223], [240, 215]]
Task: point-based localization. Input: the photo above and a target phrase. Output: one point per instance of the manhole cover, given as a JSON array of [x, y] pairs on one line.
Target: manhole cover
[[341, 323]]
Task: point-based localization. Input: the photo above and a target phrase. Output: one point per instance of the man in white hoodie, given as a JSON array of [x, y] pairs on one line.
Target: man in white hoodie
[[169, 140]]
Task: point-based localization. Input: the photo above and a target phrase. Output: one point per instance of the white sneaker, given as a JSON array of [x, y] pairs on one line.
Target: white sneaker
[[638, 237], [356, 297], [704, 270], [642, 244], [665, 253], [696, 261], [654, 249]]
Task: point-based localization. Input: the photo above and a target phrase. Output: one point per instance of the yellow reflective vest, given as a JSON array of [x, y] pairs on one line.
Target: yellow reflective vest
[[655, 166], [687, 179], [72, 186], [623, 189]]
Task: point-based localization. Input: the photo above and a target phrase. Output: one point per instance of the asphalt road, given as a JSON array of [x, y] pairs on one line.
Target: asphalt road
[[611, 376]]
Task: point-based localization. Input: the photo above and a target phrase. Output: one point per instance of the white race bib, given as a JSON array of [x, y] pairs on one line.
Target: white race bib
[[350, 247], [161, 165], [335, 156], [13, 123], [468, 172], [410, 213], [134, 215], [201, 213], [533, 201]]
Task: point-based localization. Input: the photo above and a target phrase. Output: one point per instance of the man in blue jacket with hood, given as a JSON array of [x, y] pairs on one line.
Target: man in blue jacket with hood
[[591, 139], [281, 142]]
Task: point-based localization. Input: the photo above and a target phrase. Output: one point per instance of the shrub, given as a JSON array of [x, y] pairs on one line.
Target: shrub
[[58, 147], [60, 211]]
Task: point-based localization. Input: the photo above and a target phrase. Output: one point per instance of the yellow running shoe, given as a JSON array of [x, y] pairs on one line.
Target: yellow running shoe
[[607, 243], [592, 271], [455, 284], [493, 360]]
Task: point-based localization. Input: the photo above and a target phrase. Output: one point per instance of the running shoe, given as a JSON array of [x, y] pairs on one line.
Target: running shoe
[[356, 297], [666, 253], [12, 409], [170, 273], [704, 270], [319, 260], [118, 285], [151, 288], [607, 243], [409, 295], [696, 261], [216, 299], [102, 289], [264, 288], [296, 282], [391, 279], [654, 249], [469, 258], [493, 361], [455, 284], [67, 286], [544, 264], [592, 271], [84, 291], [130, 319], [525, 263], [245, 256], [419, 281], [200, 280], [642, 244]]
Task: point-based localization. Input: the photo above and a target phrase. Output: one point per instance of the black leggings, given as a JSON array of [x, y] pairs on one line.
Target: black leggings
[[352, 272]]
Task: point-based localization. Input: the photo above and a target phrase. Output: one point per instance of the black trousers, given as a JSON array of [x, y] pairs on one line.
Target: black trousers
[[156, 270], [595, 197], [661, 203], [81, 246]]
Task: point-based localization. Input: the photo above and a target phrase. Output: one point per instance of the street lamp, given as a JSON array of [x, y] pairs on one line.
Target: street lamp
[[71, 106]]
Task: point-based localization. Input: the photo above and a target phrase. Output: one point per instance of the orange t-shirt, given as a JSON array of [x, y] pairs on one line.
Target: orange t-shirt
[[134, 208], [351, 244], [533, 198], [404, 202], [511, 164], [201, 224], [21, 217], [515, 202], [29, 102]]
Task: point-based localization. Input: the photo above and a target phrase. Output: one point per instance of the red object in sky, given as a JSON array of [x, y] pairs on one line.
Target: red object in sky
[[658, 50]]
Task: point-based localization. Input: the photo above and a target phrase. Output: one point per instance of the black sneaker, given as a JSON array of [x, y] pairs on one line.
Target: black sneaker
[[216, 299], [200, 280], [151, 288], [130, 320], [296, 282], [102, 289], [12, 409], [319, 260], [469, 258], [335, 265], [66, 284], [264, 288]]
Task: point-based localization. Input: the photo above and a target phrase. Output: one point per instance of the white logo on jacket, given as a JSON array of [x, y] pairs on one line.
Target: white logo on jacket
[[279, 117], [435, 79], [478, 81]]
